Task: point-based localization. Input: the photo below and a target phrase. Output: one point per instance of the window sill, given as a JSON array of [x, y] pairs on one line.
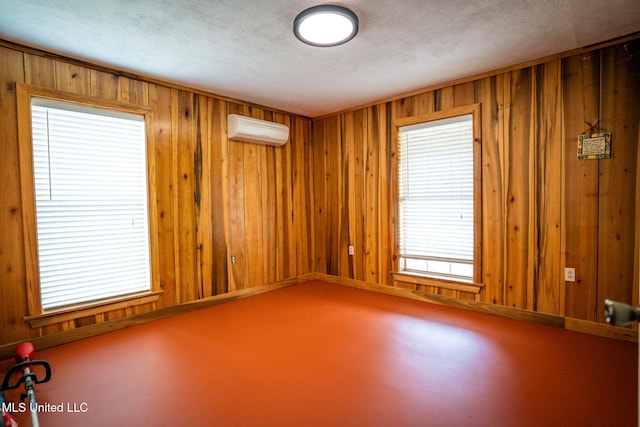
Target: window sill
[[66, 314], [438, 282]]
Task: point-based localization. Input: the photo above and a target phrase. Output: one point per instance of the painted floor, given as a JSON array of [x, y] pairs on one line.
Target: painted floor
[[318, 354]]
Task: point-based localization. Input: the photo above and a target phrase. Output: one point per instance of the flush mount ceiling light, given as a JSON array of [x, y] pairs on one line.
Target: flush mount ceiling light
[[325, 25]]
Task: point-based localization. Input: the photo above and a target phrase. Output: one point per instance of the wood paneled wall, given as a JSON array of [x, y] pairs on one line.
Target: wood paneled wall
[[542, 208], [215, 198], [292, 211]]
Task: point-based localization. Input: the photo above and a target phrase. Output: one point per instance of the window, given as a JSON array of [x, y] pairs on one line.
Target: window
[[437, 195], [89, 173]]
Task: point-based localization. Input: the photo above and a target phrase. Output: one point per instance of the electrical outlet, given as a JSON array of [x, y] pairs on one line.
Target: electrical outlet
[[233, 259], [569, 274], [351, 250]]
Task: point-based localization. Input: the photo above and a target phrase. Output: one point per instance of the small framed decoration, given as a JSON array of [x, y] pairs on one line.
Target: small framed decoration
[[594, 146]]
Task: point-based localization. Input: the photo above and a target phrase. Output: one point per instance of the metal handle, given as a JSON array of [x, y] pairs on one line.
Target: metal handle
[[620, 314]]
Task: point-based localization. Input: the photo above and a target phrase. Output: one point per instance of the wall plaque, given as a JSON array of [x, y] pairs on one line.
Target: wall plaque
[[596, 146]]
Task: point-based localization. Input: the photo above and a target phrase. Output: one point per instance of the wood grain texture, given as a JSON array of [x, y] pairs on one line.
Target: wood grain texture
[[40, 71], [541, 208], [160, 102], [270, 233], [211, 198], [303, 203], [382, 131], [289, 211], [463, 94], [518, 180], [331, 174], [620, 112], [183, 146], [356, 193], [254, 212], [319, 197], [105, 85], [548, 198], [72, 78], [581, 100], [202, 198], [490, 95], [27, 190], [219, 188], [13, 299], [286, 259], [371, 194]]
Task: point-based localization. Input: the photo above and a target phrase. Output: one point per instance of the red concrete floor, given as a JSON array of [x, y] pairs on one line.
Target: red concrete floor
[[318, 354]]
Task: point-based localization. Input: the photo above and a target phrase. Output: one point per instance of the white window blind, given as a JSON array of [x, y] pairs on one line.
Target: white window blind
[[436, 197], [91, 203]]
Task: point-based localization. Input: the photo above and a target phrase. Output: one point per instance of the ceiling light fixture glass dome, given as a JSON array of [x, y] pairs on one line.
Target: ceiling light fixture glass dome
[[325, 25]]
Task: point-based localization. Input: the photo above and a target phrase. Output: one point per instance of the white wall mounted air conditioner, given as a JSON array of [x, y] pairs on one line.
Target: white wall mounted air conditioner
[[256, 130]]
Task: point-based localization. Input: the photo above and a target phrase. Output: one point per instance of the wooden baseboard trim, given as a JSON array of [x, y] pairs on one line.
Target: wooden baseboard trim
[[583, 326], [602, 330], [8, 350], [577, 325]]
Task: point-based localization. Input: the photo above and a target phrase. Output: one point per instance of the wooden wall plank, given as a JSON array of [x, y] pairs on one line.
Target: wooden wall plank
[[237, 244], [303, 201], [105, 85], [333, 191], [320, 194], [267, 217], [620, 112], [134, 91], [219, 197], [289, 245], [160, 99], [372, 252], [581, 100], [253, 207], [424, 103], [405, 107], [283, 210], [444, 98], [270, 232], [533, 216], [490, 95], [391, 201], [39, 71], [380, 130], [463, 94], [518, 104], [548, 189], [184, 111], [348, 214], [357, 211], [72, 78], [202, 197], [13, 298]]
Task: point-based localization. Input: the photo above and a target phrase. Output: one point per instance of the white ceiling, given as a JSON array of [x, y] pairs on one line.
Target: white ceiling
[[246, 49]]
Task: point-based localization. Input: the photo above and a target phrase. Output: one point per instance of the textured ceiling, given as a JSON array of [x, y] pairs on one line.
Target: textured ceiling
[[246, 49]]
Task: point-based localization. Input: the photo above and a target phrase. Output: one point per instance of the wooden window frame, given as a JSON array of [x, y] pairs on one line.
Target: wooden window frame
[[425, 278], [36, 315]]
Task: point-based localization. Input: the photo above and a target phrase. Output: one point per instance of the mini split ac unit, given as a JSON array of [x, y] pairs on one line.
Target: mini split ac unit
[[255, 130]]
